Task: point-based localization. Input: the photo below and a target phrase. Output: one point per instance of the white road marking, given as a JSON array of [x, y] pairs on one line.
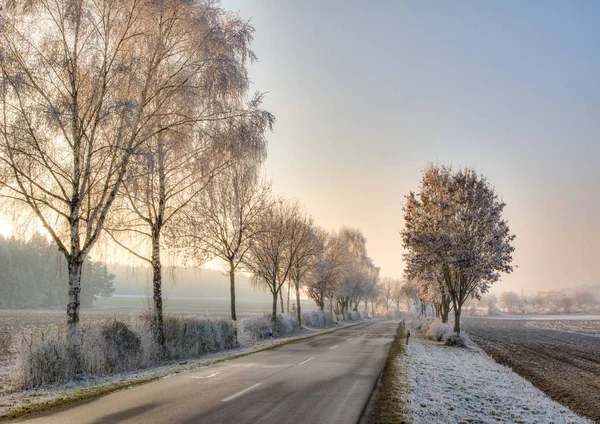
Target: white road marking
[[333, 347], [348, 340], [305, 361], [240, 393], [207, 376]]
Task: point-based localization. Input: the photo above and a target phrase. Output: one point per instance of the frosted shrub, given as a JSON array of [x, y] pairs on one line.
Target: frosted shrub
[[253, 328], [189, 337], [438, 331], [421, 323], [113, 345], [351, 315], [285, 325], [42, 358], [317, 319], [109, 347], [364, 315]]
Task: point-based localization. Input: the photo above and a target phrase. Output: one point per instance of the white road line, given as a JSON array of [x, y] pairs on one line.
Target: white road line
[[333, 347], [240, 393], [348, 340], [305, 361], [207, 376]]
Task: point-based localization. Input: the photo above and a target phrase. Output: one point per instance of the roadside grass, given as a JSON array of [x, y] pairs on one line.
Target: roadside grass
[[390, 404], [30, 404]]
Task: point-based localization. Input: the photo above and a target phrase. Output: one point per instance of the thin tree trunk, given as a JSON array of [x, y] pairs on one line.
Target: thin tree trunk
[[157, 289], [281, 298], [274, 314], [297, 284], [457, 319], [288, 296], [232, 289], [73, 329]]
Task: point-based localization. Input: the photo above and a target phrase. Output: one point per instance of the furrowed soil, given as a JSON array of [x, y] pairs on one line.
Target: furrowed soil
[[561, 358]]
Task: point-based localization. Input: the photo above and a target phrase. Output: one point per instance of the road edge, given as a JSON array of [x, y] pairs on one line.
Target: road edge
[[385, 404]]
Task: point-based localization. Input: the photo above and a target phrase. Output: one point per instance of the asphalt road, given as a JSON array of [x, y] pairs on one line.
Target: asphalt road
[[325, 379]]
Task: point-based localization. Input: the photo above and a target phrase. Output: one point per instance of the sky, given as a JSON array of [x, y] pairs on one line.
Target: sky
[[367, 93]]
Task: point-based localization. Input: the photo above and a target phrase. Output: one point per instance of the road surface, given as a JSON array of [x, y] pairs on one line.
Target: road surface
[[325, 379]]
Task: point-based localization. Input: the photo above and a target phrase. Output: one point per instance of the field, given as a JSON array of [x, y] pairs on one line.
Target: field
[[561, 357]]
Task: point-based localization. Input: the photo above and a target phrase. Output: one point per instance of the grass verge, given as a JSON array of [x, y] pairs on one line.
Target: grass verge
[[30, 406], [389, 403]]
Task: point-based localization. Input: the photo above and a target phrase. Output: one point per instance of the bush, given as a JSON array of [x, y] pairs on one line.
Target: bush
[[454, 340], [112, 346], [351, 316], [285, 325], [253, 328], [190, 337], [438, 331], [42, 358], [109, 347], [317, 319]]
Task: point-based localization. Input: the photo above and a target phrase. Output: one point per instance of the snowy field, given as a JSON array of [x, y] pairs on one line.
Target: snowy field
[[561, 357], [452, 385]]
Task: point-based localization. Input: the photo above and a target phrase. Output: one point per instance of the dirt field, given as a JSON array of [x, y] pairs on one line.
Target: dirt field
[[560, 358]]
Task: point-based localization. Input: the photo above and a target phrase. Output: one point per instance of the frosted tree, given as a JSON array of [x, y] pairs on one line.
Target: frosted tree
[[84, 85], [209, 49], [328, 268], [510, 300], [273, 250], [305, 247], [454, 226], [226, 217]]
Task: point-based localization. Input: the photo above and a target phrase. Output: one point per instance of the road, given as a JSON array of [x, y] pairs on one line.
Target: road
[[325, 379]]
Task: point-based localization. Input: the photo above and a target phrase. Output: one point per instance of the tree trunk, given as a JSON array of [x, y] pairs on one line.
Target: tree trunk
[[232, 289], [288, 297], [274, 314], [157, 289], [73, 329], [281, 298], [457, 319], [297, 284]]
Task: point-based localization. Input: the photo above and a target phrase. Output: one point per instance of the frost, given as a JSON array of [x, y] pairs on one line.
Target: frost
[[455, 385]]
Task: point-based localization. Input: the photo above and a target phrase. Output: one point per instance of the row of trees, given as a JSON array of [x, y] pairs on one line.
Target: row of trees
[[559, 302], [114, 116], [130, 123], [457, 243], [33, 275]]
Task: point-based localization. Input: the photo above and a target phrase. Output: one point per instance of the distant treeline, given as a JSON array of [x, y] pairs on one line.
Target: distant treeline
[[33, 275]]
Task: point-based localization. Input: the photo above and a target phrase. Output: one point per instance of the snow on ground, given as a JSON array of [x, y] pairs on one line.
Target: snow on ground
[[542, 317], [452, 385]]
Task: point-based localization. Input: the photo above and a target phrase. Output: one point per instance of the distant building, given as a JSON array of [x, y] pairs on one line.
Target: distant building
[[551, 293]]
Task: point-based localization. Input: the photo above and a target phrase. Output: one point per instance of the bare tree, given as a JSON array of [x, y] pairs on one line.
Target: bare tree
[[174, 166], [327, 269], [223, 221], [84, 85], [306, 248], [273, 250], [455, 227]]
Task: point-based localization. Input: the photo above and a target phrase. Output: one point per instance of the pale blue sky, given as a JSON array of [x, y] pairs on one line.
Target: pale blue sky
[[366, 93]]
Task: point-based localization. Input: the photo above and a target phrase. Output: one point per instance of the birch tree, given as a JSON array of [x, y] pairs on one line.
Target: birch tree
[[305, 248], [224, 220], [273, 250], [455, 227], [173, 167], [83, 85], [328, 268]]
